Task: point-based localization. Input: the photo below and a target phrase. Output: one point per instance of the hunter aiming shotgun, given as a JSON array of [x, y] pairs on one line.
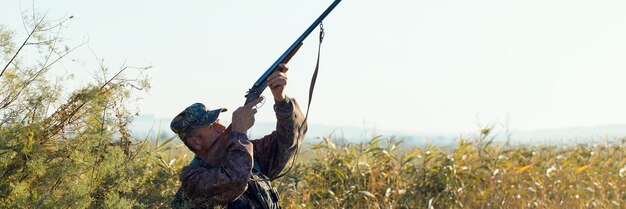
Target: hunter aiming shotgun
[[229, 169]]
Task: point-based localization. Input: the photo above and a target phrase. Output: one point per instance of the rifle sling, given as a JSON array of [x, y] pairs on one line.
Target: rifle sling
[[311, 88], [314, 78]]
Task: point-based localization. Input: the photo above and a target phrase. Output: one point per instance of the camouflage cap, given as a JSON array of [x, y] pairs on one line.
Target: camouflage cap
[[192, 117]]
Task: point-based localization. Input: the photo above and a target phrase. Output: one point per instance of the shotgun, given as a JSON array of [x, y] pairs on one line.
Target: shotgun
[[259, 86]]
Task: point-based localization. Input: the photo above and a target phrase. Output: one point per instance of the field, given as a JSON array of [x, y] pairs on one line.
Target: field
[[378, 174], [472, 175], [475, 174]]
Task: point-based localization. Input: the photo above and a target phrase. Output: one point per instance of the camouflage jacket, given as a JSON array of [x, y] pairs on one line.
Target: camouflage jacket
[[232, 184]]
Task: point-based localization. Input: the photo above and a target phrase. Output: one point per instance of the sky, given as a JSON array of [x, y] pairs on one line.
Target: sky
[[407, 66]]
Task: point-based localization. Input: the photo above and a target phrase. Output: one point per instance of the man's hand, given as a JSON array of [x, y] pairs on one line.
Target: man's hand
[[243, 117], [277, 82]]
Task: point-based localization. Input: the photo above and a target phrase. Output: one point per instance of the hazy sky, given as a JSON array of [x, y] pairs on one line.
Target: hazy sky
[[408, 66]]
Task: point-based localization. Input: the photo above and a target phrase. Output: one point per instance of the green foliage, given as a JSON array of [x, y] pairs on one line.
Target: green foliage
[[67, 148]]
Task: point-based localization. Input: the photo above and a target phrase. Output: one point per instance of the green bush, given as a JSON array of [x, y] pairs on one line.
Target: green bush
[[71, 148]]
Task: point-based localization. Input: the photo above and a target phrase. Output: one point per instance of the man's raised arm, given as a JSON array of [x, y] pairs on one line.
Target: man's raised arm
[[274, 151]]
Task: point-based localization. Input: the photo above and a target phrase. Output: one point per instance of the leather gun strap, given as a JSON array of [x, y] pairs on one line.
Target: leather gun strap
[[314, 78], [311, 88]]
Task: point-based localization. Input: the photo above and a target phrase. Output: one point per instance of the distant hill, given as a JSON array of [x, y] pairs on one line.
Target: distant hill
[[572, 135], [148, 126]]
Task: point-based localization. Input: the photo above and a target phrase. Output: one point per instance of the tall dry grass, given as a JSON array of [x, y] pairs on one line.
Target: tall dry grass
[[475, 174]]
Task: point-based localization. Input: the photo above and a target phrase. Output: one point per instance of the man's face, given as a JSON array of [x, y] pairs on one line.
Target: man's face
[[205, 137]]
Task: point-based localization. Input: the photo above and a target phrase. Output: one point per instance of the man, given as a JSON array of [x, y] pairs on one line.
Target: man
[[229, 170]]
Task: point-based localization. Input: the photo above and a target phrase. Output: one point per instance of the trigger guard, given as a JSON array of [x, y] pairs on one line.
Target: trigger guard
[[260, 104]]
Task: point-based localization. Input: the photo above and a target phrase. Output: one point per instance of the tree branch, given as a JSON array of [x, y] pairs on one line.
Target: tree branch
[[23, 44]]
